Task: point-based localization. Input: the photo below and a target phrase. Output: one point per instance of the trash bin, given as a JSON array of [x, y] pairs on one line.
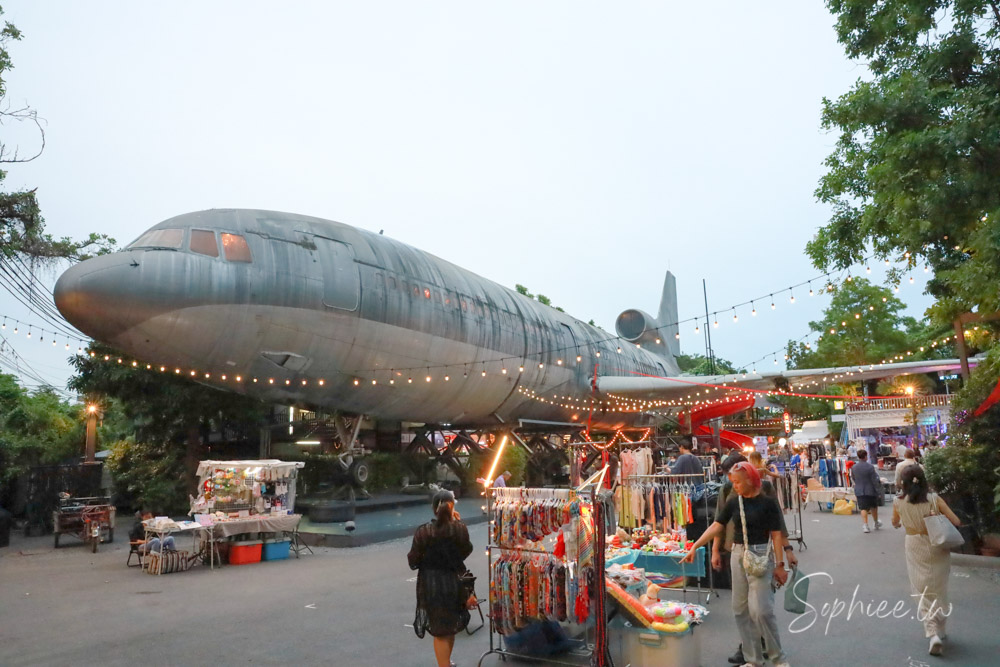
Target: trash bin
[[6, 523]]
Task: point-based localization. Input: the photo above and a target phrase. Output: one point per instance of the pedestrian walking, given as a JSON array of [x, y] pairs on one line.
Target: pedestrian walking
[[927, 566], [438, 553], [909, 460], [867, 486], [758, 535]]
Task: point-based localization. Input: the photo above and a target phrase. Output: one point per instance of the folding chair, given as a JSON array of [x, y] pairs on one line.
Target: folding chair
[[135, 547], [482, 620]]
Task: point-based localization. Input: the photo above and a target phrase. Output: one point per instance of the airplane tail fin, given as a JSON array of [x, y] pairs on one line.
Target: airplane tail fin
[[667, 317]]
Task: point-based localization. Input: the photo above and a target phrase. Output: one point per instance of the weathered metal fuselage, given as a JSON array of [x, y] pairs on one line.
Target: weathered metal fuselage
[[323, 301]]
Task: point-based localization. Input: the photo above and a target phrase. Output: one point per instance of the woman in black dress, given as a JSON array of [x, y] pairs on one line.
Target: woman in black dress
[[439, 550]]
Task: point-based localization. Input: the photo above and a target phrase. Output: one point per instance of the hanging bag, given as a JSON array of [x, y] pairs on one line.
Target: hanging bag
[[754, 564], [941, 531], [796, 592]]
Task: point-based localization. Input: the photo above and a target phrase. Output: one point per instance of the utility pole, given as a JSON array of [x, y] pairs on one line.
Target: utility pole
[[708, 332]]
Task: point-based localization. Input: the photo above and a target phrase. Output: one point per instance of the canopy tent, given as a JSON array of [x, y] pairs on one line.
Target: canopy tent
[[811, 433], [266, 469]]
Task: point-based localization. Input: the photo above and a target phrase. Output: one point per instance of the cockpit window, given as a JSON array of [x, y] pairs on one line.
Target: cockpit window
[[203, 242], [236, 248], [160, 238]]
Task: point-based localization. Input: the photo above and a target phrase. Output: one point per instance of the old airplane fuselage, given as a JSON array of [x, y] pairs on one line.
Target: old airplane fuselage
[[298, 310]]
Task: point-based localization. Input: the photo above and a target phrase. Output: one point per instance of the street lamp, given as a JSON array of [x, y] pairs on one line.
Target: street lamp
[[90, 448]]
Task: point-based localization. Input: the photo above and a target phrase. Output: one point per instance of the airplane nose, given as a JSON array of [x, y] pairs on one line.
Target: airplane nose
[[99, 296]]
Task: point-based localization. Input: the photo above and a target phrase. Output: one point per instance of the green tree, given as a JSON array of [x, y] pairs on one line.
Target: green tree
[[915, 174], [164, 409], [969, 466], [22, 228], [699, 364], [863, 324], [36, 428]]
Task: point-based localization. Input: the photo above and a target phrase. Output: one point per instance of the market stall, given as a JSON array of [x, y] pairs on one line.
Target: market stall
[[246, 507]]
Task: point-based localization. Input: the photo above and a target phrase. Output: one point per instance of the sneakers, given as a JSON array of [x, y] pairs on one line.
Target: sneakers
[[865, 528], [936, 646], [878, 524]]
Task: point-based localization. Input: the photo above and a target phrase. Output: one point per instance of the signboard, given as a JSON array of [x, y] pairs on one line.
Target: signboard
[[787, 420], [838, 405]]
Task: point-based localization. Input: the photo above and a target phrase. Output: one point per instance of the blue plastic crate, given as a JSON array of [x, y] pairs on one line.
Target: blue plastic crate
[[275, 549]]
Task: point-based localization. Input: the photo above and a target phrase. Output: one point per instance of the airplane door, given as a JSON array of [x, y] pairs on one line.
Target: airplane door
[[341, 279]]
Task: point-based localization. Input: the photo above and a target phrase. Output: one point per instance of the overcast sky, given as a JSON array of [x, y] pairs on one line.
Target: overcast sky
[[580, 149]]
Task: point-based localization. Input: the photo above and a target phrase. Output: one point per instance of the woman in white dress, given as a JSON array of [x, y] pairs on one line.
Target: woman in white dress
[[928, 566]]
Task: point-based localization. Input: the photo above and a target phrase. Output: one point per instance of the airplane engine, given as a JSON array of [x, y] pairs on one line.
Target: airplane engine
[[635, 326]]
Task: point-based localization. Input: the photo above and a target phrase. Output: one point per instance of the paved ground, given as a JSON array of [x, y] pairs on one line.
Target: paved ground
[[352, 607]]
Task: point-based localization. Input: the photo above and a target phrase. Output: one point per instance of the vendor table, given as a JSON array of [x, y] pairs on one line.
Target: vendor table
[[161, 531], [667, 564], [258, 523], [830, 495]]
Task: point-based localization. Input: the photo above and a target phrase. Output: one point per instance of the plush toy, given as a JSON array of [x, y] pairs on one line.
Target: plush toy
[[651, 596], [666, 613], [682, 626]]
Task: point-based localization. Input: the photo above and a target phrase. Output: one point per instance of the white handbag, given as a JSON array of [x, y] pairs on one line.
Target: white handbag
[[941, 531], [755, 564]]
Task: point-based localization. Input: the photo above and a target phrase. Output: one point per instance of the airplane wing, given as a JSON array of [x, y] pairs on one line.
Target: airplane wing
[[684, 388]]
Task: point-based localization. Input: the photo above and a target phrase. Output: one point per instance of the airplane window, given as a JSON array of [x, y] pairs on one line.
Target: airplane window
[[236, 248], [203, 243], [160, 238]]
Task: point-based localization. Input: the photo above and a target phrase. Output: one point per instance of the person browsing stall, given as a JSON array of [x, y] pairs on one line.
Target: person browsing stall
[[687, 463], [753, 594], [438, 553], [722, 545], [501, 481]]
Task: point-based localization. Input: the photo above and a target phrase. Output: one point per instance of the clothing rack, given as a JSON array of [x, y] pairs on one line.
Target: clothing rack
[[710, 465], [788, 490], [596, 654], [670, 482]]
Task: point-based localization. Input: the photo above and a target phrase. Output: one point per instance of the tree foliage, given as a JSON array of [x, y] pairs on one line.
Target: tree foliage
[[915, 174], [863, 324], [36, 428], [969, 466], [165, 410], [22, 228], [699, 364]]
